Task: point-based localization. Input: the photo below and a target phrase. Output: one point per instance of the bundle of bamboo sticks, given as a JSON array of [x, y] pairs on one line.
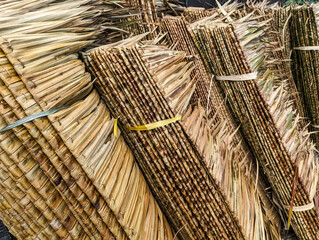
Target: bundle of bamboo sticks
[[56, 183], [304, 39], [176, 28], [236, 54], [143, 84]]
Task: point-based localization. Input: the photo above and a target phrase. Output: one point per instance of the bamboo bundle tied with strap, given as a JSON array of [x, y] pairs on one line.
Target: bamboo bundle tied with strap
[[144, 84], [304, 42], [269, 120], [49, 158]]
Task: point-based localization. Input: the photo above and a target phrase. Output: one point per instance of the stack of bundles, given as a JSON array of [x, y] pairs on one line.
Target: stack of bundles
[[276, 57], [267, 117], [305, 42], [281, 17], [198, 173], [144, 19], [66, 175], [193, 14], [176, 27]]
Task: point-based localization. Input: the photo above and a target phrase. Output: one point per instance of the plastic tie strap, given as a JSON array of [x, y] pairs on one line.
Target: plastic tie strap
[[236, 78], [32, 117], [115, 127], [154, 125], [149, 126], [301, 208], [307, 48]]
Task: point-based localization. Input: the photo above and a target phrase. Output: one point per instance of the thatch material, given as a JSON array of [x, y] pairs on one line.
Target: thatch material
[[193, 14], [39, 71], [266, 115], [304, 32], [276, 49], [176, 28], [188, 187]]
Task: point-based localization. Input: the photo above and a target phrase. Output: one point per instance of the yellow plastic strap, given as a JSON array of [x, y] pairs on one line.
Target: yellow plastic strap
[[154, 125], [115, 127]]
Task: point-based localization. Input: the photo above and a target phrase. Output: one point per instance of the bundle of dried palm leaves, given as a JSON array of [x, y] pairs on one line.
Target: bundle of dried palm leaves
[[193, 14], [176, 28], [305, 42], [57, 183], [185, 163], [277, 50], [236, 54]]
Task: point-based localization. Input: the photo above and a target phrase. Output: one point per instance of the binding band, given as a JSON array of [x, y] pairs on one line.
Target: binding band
[[235, 78], [32, 117], [301, 208], [149, 126], [307, 48], [154, 125]]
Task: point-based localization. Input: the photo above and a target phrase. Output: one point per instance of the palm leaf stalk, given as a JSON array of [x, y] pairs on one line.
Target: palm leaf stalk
[[183, 180], [39, 70], [305, 61], [267, 116]]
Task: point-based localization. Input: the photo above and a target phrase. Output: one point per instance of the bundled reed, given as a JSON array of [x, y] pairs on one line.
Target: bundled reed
[[176, 28], [143, 19], [304, 39], [235, 53], [277, 49], [39, 71], [147, 83], [193, 14]]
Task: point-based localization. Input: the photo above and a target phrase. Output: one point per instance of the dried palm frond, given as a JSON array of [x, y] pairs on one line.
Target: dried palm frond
[[87, 129], [265, 112], [304, 33], [147, 83], [39, 71]]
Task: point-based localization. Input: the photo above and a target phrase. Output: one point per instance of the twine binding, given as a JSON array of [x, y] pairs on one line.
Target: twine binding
[[235, 78]]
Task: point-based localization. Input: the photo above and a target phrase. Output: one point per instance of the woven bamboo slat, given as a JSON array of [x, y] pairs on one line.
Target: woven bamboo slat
[[177, 30], [175, 168], [304, 32], [267, 116], [29, 86]]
